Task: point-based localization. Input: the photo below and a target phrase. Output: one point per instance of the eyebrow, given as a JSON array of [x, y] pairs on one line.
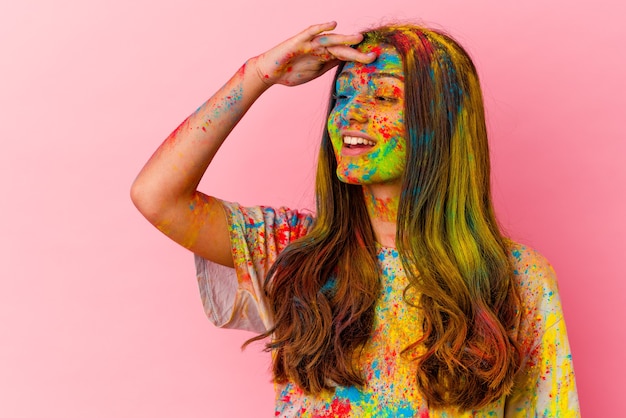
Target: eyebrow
[[373, 75]]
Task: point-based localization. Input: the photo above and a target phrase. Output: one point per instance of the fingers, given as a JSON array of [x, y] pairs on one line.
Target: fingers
[[329, 48], [314, 30], [334, 39], [316, 36], [337, 46], [347, 53]]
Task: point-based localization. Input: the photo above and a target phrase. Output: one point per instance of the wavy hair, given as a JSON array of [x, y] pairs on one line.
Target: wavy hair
[[323, 288]]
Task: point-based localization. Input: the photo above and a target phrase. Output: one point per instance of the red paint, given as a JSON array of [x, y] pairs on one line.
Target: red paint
[[377, 49], [339, 408]]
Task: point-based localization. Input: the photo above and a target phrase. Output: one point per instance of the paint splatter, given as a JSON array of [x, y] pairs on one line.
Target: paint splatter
[[369, 105], [544, 387]]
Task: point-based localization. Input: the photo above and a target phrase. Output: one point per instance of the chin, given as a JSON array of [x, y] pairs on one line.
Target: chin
[[355, 180]]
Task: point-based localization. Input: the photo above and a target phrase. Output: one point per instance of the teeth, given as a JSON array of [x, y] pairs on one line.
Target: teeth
[[353, 140]]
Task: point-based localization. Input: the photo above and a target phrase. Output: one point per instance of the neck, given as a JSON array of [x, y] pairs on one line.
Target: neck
[[382, 201]]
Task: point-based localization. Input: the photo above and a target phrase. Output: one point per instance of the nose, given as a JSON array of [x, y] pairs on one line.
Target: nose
[[355, 111]]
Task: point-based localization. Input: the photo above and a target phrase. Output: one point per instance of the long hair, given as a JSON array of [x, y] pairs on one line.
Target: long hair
[[323, 288]]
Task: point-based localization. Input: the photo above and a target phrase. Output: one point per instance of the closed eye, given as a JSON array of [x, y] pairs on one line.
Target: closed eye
[[386, 99]]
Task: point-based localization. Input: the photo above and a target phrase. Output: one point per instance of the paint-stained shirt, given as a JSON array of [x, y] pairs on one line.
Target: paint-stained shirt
[[233, 298]]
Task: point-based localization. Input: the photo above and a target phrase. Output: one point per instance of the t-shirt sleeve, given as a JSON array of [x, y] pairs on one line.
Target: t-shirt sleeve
[[545, 385], [233, 297]]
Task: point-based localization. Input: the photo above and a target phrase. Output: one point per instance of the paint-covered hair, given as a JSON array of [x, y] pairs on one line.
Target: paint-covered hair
[[323, 288]]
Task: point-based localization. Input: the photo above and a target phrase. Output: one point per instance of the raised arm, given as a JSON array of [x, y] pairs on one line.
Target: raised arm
[[165, 191]]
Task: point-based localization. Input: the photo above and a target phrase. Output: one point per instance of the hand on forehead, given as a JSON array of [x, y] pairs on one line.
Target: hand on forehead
[[387, 61], [385, 70]]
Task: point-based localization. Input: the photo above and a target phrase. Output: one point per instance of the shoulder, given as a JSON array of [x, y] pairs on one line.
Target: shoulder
[[260, 223], [537, 287], [533, 272], [254, 216]]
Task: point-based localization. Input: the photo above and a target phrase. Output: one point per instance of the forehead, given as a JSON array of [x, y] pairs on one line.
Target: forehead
[[388, 61]]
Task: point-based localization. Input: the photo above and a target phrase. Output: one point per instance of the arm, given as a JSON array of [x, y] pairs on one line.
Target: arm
[[165, 189]]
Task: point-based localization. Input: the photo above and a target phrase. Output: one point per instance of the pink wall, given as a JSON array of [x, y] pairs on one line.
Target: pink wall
[[99, 314]]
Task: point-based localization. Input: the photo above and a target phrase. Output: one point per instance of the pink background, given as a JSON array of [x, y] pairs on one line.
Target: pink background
[[100, 314]]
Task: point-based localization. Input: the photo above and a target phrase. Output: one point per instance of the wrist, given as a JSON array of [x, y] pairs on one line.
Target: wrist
[[252, 67]]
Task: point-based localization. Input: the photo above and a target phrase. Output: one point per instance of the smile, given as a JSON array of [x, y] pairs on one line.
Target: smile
[[356, 145], [356, 141]]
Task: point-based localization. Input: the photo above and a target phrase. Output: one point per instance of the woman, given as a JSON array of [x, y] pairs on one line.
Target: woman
[[402, 297]]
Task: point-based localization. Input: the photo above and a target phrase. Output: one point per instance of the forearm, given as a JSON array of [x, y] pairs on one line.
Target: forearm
[[173, 172], [165, 190]]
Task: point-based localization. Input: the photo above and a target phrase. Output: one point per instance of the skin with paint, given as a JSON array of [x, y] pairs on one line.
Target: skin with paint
[[367, 131], [367, 126]]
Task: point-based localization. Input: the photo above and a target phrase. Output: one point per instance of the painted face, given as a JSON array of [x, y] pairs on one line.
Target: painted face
[[366, 126]]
